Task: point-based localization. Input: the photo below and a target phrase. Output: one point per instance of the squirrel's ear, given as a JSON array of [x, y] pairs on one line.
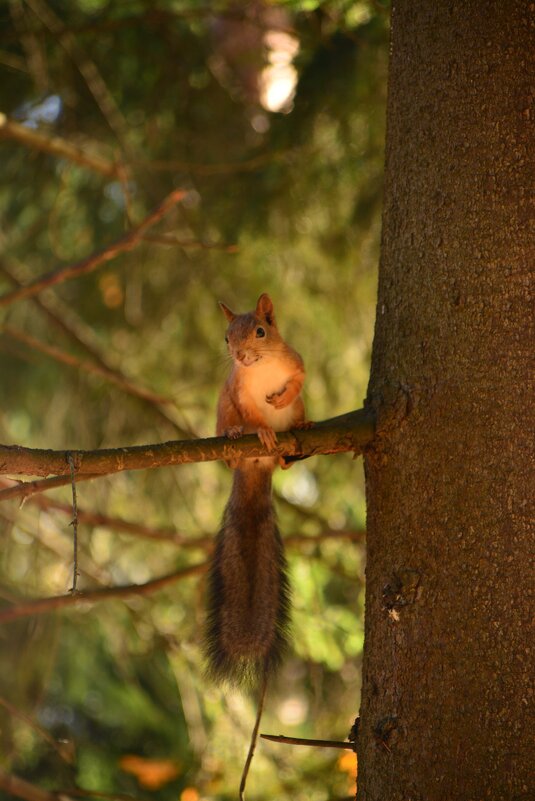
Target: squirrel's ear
[[227, 312], [264, 308]]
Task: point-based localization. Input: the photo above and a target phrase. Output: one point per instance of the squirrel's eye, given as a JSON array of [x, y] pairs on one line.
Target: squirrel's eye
[[260, 332], [226, 340]]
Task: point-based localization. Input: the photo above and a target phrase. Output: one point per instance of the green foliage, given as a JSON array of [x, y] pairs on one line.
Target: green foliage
[[297, 195]]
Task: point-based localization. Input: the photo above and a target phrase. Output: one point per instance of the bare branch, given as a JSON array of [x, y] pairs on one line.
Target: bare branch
[[281, 738], [352, 535], [24, 489], [29, 792], [12, 61], [56, 146], [171, 535], [88, 69], [127, 242], [350, 432], [59, 747], [247, 165], [41, 606], [98, 576], [80, 791], [76, 330], [254, 738], [194, 244], [157, 16], [85, 366], [36, 63], [74, 523]]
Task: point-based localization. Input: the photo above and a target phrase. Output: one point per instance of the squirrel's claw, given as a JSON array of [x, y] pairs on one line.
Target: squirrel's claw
[[304, 425], [279, 400], [233, 432], [268, 438]]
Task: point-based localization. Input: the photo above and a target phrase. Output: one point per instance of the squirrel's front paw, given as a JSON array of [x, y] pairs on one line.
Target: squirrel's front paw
[[233, 432], [304, 425], [268, 438], [278, 399]]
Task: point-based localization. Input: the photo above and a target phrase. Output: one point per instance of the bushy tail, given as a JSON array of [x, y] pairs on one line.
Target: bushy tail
[[248, 590]]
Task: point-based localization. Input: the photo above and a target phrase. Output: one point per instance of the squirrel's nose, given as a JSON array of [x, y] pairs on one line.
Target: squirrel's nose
[[240, 354]]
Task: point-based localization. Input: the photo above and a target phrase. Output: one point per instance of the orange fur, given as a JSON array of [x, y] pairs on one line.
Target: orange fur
[[262, 394]]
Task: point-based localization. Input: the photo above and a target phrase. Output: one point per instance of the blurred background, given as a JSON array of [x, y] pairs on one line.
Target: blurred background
[[270, 115]]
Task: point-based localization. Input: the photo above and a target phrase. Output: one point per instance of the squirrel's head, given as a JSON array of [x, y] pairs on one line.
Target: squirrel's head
[[254, 335]]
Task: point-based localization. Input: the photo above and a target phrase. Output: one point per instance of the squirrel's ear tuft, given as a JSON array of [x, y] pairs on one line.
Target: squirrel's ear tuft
[[264, 308], [227, 312]]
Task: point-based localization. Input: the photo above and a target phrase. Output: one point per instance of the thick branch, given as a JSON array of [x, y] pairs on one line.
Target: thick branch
[[350, 432], [127, 242]]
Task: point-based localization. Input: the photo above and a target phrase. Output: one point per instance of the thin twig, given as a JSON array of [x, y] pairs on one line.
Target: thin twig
[[171, 535], [247, 165], [60, 749], [32, 45], [76, 330], [380, 8], [88, 69], [74, 524], [353, 535], [193, 244], [56, 146], [12, 61], [86, 367], [254, 736], [31, 792], [40, 606], [97, 575], [127, 242], [24, 489], [280, 738], [80, 791], [125, 179], [20, 788], [158, 16]]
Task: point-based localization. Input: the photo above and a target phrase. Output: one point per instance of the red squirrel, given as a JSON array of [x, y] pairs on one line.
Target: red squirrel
[[248, 590]]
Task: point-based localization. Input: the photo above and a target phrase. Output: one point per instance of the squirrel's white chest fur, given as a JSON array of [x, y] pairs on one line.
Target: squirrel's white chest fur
[[265, 378]]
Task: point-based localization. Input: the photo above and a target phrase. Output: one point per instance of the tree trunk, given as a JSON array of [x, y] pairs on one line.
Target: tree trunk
[[448, 662]]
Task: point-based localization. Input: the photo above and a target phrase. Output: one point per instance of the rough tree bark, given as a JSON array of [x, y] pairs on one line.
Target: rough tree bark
[[448, 662]]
